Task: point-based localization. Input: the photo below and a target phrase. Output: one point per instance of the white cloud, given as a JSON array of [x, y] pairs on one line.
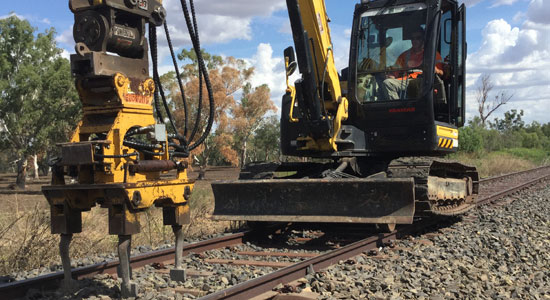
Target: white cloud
[[269, 70], [341, 41], [65, 54], [66, 37], [219, 21], [497, 3], [539, 11], [11, 15], [518, 59], [239, 8], [471, 3], [285, 28], [519, 16]]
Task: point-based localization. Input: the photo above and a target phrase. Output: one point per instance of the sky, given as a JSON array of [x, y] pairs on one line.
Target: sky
[[508, 39]]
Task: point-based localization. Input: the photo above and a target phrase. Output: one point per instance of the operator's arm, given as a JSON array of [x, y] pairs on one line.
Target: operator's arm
[[399, 64], [439, 65]]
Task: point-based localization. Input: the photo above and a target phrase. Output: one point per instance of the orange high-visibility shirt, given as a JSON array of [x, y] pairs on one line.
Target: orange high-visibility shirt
[[415, 60]]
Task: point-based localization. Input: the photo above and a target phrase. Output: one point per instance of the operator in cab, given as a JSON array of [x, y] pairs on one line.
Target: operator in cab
[[395, 87]]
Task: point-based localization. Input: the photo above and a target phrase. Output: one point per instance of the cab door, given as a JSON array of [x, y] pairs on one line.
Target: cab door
[[460, 105], [451, 45]]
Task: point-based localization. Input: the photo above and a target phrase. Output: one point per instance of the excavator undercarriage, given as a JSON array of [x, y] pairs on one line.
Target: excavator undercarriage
[[317, 192]]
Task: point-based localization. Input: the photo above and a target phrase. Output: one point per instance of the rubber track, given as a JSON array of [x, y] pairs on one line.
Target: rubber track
[[420, 168]]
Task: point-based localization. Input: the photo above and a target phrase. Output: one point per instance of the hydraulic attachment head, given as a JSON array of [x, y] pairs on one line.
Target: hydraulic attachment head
[[118, 152]]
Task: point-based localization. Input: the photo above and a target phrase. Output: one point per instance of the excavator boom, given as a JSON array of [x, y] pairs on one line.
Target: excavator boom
[[318, 92]]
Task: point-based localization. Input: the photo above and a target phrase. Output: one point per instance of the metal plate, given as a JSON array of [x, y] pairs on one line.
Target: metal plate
[[316, 200], [77, 154]]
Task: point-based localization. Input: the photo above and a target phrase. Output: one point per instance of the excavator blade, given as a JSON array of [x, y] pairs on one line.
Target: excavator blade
[[355, 200]]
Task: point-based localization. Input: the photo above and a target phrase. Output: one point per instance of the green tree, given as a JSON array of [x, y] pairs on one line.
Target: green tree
[[190, 69], [265, 143], [248, 115], [512, 121], [39, 105]]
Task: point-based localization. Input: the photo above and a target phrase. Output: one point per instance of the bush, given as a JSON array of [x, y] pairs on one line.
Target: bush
[[492, 140], [530, 140], [537, 156], [470, 140]]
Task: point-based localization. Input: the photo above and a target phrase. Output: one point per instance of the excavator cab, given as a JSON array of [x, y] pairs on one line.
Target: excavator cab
[[407, 72]]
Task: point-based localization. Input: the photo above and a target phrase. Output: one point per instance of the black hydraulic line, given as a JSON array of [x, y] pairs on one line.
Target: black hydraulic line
[[199, 110], [178, 147], [117, 156], [183, 146], [153, 46], [156, 78], [160, 117], [152, 153], [202, 68], [169, 40], [323, 83], [138, 130], [199, 106], [315, 59], [140, 146]]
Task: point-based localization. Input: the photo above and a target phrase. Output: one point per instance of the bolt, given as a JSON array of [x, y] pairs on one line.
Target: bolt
[[187, 193], [120, 81], [136, 198], [151, 86]]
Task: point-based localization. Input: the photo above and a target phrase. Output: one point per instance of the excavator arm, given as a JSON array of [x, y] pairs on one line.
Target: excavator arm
[[317, 95]]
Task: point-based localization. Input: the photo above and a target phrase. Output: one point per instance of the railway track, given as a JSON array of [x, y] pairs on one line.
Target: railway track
[[283, 272]]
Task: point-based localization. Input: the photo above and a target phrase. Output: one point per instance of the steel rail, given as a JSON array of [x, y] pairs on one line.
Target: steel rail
[[498, 195], [18, 289], [499, 177], [260, 285]]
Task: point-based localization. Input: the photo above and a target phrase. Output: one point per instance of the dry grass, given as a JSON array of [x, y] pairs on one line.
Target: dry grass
[[26, 242], [495, 164]]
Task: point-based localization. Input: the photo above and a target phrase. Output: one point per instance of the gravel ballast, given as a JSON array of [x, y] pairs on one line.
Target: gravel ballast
[[491, 253], [494, 253]]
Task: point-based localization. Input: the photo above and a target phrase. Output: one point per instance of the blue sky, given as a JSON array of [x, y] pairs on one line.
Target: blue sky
[[509, 39]]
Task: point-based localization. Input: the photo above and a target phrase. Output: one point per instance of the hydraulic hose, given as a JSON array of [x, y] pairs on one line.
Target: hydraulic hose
[[156, 77], [191, 26], [169, 40], [184, 145]]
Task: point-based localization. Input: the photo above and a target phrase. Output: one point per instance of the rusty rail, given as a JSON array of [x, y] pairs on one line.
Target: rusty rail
[[50, 281], [499, 177], [266, 283], [511, 190], [259, 285]]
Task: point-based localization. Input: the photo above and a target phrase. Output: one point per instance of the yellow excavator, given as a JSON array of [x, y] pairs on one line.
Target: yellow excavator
[[370, 139]]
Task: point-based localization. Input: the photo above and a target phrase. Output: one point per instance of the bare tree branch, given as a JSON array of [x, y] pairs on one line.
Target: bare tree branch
[[485, 106]]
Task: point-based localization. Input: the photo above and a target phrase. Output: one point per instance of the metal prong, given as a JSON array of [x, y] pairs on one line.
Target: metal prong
[[178, 274], [127, 288], [64, 244]]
